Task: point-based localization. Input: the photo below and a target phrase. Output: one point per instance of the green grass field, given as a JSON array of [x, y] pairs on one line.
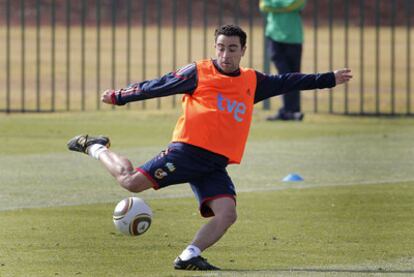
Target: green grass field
[[352, 215]]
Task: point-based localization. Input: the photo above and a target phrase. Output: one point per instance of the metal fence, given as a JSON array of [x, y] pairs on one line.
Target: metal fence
[[58, 55]]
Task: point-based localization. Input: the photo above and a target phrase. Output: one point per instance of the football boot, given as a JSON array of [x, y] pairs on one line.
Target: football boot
[[81, 143], [196, 263]]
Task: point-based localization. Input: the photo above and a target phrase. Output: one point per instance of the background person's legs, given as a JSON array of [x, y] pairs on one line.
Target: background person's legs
[[293, 53], [287, 58]]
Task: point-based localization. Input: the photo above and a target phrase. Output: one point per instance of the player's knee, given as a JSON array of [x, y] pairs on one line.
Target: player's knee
[[128, 185], [228, 217], [233, 217], [134, 181]]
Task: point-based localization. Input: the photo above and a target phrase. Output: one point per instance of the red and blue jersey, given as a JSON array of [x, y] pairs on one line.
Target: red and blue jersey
[[217, 107]]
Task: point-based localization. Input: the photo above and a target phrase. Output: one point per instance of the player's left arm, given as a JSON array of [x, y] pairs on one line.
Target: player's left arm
[[273, 85]]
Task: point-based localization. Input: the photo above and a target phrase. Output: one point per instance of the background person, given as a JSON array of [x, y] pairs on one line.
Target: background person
[[284, 33]]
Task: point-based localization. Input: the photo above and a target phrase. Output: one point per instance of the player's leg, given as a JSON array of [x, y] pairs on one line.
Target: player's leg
[[123, 171], [216, 195], [119, 167], [224, 216]]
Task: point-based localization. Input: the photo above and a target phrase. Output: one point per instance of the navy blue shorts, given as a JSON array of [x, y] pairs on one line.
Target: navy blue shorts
[[183, 163]]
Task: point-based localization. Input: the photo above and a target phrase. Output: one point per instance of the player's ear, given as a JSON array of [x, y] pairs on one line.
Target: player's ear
[[244, 50]]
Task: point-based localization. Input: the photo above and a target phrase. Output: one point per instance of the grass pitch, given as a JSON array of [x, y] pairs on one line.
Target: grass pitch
[[353, 214], [350, 228]]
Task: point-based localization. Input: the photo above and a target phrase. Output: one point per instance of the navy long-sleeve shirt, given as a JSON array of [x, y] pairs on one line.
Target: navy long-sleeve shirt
[[185, 79]]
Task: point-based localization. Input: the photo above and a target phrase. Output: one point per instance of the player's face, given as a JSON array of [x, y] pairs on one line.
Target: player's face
[[229, 52]]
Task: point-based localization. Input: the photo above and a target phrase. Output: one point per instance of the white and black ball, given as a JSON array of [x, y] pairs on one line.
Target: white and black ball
[[132, 216]]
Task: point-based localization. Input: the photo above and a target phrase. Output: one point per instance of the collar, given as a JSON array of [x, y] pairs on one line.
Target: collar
[[232, 74]]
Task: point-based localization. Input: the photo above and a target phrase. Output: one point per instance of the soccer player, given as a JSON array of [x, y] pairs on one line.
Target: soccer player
[[217, 102]]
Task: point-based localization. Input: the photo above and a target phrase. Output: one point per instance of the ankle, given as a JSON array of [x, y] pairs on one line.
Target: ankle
[[95, 150], [190, 252]]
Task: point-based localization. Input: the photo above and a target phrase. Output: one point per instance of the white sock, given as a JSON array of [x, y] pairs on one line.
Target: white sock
[[190, 252], [95, 150]]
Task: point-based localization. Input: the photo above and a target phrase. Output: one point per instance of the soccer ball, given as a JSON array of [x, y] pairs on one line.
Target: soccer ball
[[132, 216]]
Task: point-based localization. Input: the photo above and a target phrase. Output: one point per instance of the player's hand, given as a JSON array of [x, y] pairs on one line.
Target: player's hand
[[106, 96], [342, 75]]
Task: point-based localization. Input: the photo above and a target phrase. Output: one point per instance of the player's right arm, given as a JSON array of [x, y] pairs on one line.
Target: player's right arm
[[184, 80]]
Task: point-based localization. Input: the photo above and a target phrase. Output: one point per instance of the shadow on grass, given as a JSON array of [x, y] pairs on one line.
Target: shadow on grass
[[327, 270]]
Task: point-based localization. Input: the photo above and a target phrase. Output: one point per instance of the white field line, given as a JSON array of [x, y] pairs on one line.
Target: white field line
[[285, 186], [299, 185]]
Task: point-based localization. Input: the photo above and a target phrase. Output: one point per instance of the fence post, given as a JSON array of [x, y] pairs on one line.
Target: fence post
[[331, 95], [38, 55], [8, 56], [68, 19], [98, 53], [393, 12], [144, 48], [220, 12], [83, 15], [236, 11], [53, 55], [128, 54], [23, 54], [159, 16], [189, 30], [266, 62], [346, 46], [408, 7], [361, 54], [113, 46], [315, 50], [377, 57], [174, 44], [251, 9], [205, 24]]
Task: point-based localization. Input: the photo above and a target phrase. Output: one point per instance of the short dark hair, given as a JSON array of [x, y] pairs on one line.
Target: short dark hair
[[230, 31]]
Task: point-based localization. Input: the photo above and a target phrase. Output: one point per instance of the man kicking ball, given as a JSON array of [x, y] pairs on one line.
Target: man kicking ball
[[218, 99]]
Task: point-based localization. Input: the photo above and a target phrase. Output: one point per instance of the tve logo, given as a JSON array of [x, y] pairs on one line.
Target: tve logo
[[234, 107]]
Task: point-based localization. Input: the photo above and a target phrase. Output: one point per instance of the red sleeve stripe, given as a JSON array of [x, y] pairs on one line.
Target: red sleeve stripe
[[176, 75], [113, 98], [131, 90]]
